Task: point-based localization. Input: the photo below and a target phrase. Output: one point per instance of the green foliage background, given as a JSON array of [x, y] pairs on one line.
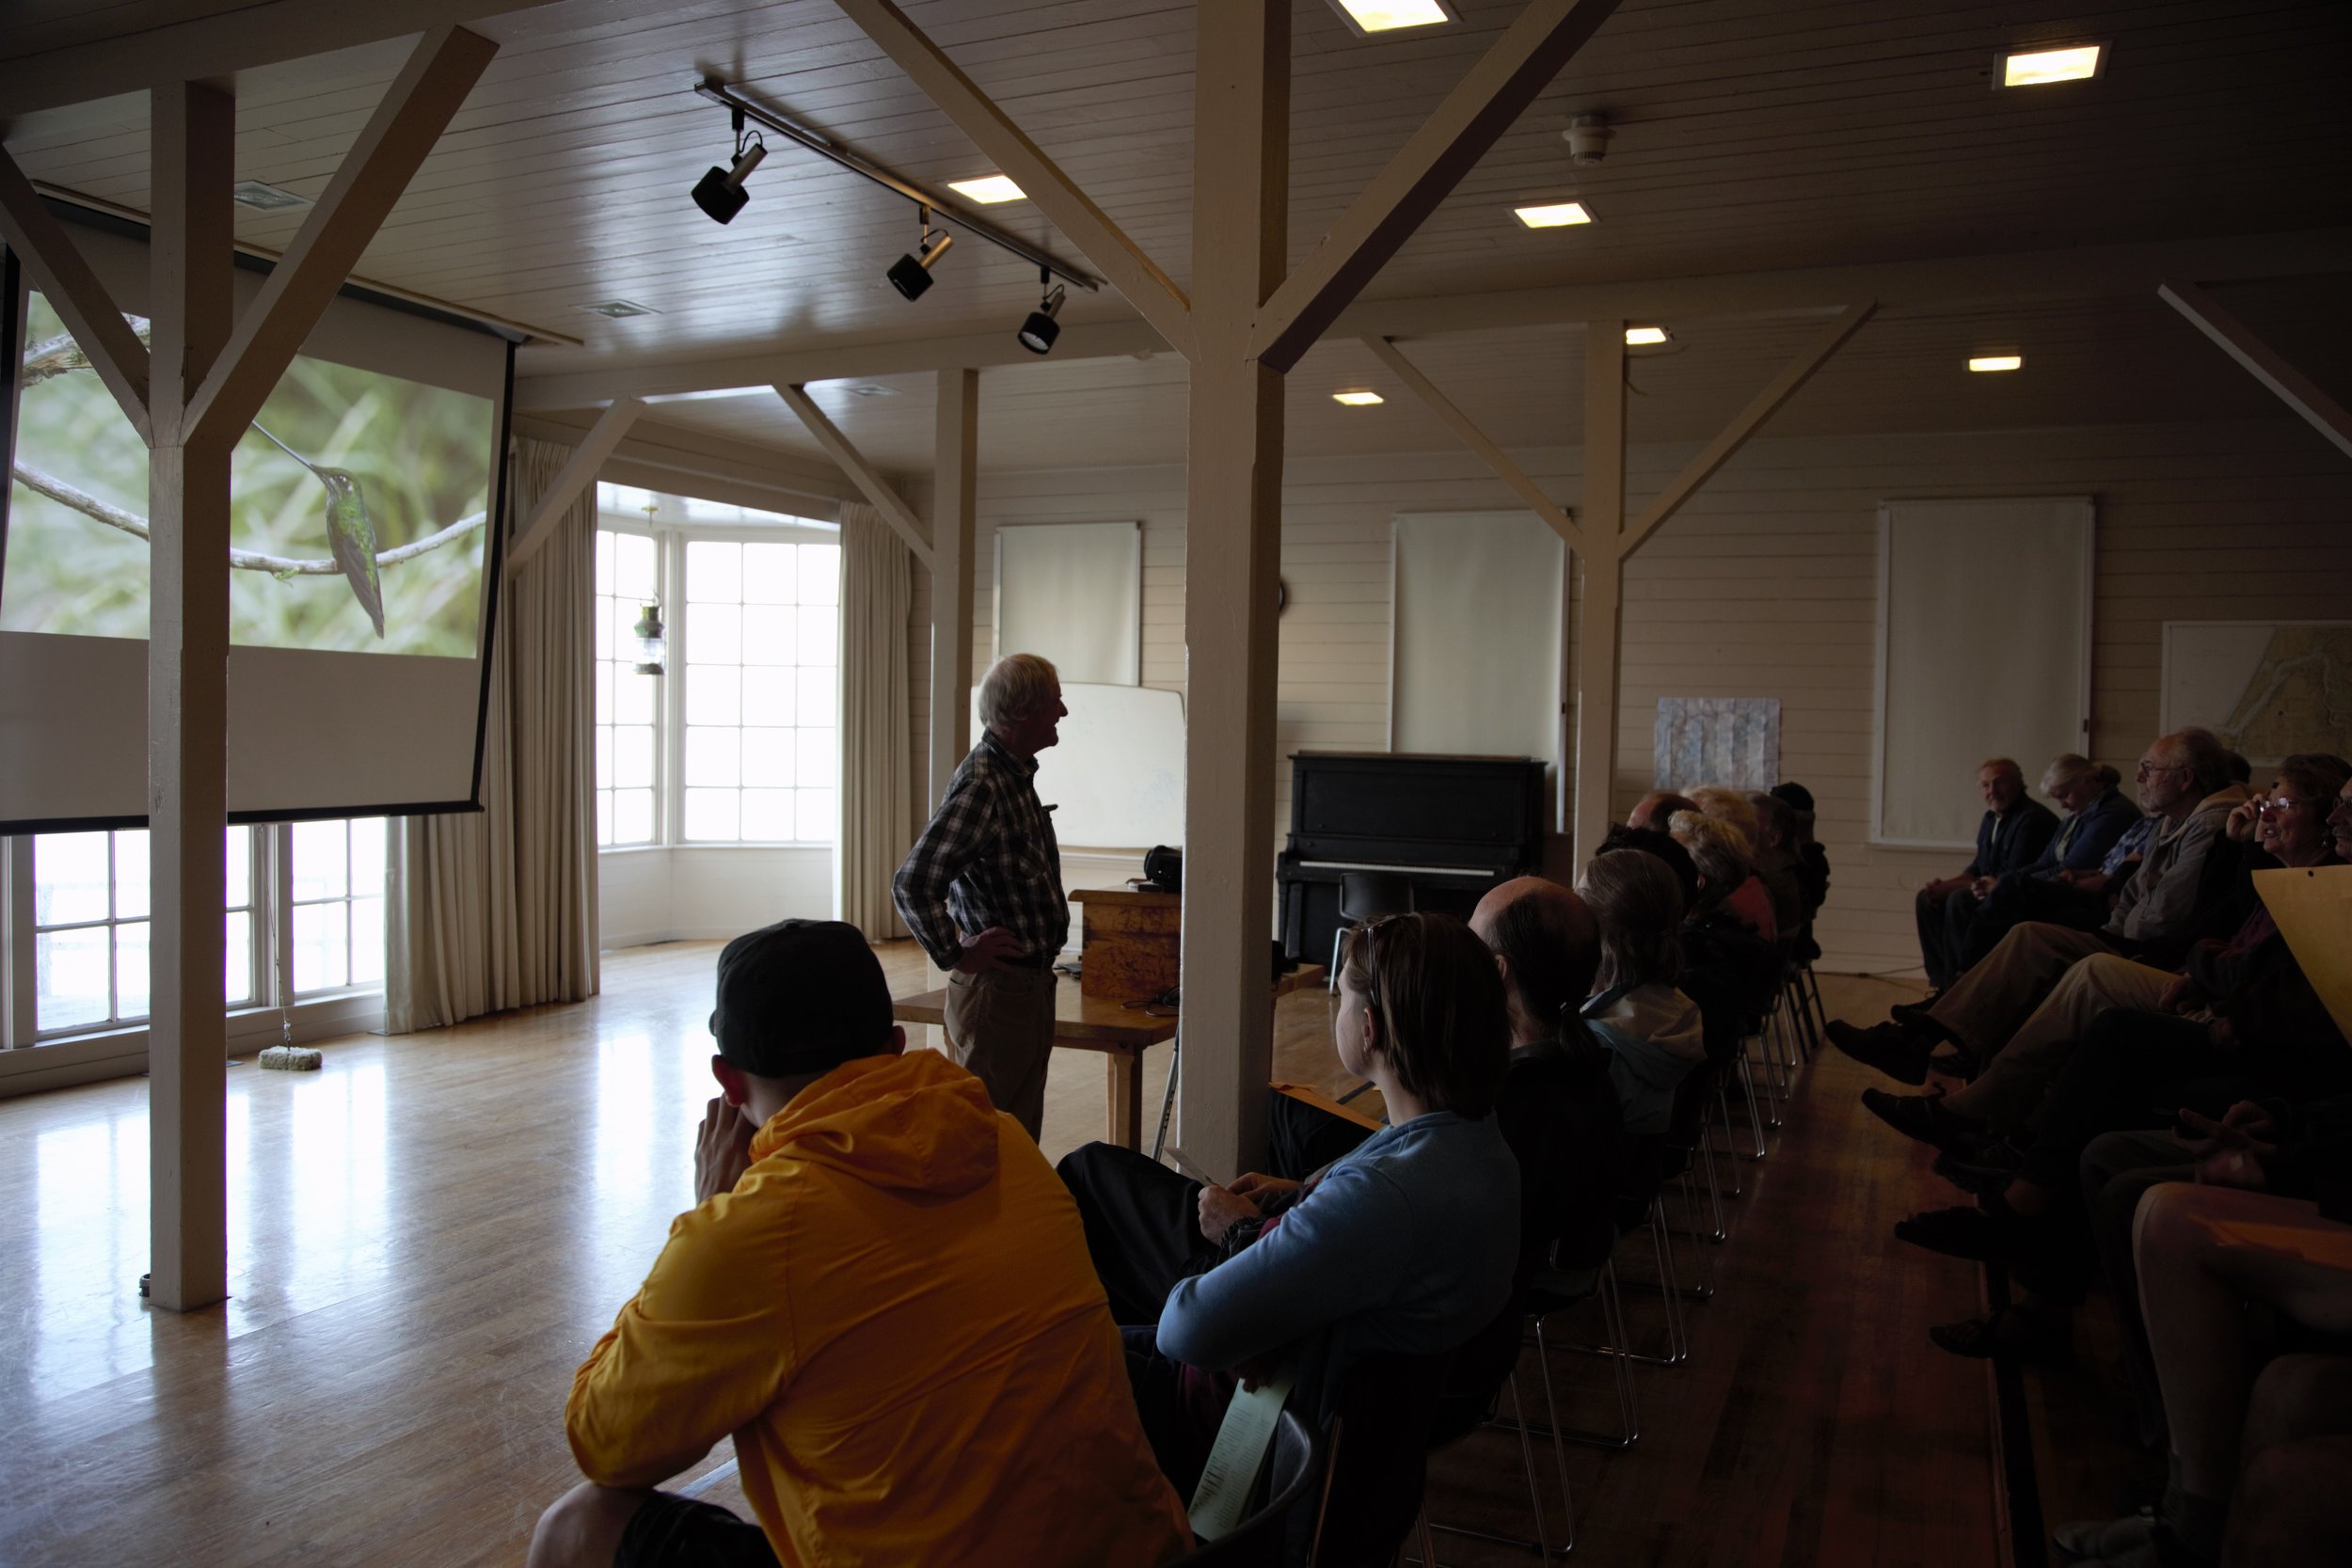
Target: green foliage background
[[422, 455]]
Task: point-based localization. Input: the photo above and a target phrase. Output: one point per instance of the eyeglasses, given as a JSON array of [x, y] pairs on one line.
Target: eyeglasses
[[1366, 935], [2278, 803], [2148, 768]]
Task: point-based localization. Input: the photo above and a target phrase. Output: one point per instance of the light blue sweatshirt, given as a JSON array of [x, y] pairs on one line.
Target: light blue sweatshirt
[[1406, 1247]]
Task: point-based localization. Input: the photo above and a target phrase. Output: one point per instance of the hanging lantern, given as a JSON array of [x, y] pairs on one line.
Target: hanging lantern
[[653, 646]]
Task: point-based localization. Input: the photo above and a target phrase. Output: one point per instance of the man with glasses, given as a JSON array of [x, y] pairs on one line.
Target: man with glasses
[[2184, 780]]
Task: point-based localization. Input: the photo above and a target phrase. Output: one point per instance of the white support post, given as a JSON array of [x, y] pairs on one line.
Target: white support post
[[955, 491], [1598, 632], [187, 703]]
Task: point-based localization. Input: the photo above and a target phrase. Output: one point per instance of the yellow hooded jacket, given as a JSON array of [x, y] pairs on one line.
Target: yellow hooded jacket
[[895, 1315]]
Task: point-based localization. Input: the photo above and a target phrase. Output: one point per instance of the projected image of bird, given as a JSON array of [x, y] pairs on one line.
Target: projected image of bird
[[350, 534]]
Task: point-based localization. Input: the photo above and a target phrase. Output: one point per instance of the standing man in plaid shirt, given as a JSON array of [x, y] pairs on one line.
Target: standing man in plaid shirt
[[981, 891]]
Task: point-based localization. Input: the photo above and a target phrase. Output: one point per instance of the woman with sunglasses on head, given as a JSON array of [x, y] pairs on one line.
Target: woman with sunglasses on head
[[1655, 1034], [1407, 1246]]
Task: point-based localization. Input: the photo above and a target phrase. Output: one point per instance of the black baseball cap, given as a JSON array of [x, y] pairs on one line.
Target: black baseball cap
[[799, 997]]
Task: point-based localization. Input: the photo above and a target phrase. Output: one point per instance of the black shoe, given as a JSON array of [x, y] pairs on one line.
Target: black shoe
[[1988, 1170], [1883, 1046], [1922, 1116], [1903, 1012], [2013, 1335], [1975, 1234]]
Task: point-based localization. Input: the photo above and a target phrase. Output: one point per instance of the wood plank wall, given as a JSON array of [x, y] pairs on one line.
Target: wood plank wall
[[1764, 586]]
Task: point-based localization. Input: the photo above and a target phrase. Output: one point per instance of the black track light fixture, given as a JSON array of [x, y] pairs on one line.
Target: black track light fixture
[[1038, 333], [912, 274], [720, 192]]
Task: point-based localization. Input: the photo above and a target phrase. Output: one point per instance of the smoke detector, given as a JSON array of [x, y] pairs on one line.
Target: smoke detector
[[1587, 136]]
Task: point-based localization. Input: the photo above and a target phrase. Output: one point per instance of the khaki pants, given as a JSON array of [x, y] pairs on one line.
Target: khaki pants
[[1000, 1029], [1990, 1002], [2022, 1071]]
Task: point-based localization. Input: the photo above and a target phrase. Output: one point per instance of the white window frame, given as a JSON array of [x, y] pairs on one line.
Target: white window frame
[[615, 522]]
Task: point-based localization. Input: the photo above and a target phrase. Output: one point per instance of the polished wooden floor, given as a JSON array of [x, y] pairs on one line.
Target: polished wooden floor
[[426, 1236]]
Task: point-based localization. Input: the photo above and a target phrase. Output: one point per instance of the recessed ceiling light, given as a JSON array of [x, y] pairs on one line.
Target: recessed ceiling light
[[1997, 362], [2076, 62], [1556, 214], [265, 199], [619, 310], [989, 189], [872, 389], [1358, 399], [1367, 16], [1642, 337]]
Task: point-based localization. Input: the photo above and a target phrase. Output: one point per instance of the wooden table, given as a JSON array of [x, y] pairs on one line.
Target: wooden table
[[1121, 1033]]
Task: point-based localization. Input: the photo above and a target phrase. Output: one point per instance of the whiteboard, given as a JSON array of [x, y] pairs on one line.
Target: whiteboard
[[1984, 650], [1116, 779]]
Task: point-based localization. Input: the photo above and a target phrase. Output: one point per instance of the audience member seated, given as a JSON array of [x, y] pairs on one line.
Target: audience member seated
[[2097, 815], [1726, 880], [1404, 1247], [1657, 808], [882, 1294], [1775, 863], [2218, 981], [2009, 837], [1655, 1034], [1148, 1227], [2184, 780], [1812, 860]]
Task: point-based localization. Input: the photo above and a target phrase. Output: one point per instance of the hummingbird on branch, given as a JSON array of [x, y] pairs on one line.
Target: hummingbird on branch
[[350, 535]]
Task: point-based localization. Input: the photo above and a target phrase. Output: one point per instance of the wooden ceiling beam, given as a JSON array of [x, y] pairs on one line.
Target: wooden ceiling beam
[[1471, 437], [63, 275], [258, 33], [878, 491], [1133, 273], [1482, 106], [415, 110], [1746, 423], [2121, 270], [2265, 364], [577, 475]]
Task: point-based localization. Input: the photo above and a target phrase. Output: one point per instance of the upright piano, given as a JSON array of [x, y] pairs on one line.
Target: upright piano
[[1454, 826]]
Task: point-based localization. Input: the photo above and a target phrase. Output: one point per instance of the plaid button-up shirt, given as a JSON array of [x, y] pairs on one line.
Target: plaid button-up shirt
[[987, 859]]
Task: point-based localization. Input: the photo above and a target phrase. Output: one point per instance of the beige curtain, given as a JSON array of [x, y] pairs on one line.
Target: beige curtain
[[496, 908], [877, 591]]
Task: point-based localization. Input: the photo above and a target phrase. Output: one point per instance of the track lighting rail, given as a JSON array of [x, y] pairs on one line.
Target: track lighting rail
[[719, 92]]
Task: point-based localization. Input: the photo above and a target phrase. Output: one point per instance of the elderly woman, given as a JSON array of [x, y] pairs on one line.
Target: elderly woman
[[1654, 1033], [1727, 878]]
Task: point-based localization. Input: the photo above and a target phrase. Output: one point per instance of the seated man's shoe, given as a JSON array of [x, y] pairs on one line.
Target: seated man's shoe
[[2011, 1334], [1987, 1169], [2098, 1539], [1922, 1116], [1883, 1046], [1975, 1234], [1903, 1012]]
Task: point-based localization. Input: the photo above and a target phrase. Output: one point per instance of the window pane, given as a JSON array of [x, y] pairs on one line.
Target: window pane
[[632, 696], [816, 635], [815, 810], [604, 692], [236, 968], [816, 694], [69, 879], [767, 759], [632, 816], [131, 976], [604, 818], [714, 634], [131, 868], [713, 695], [69, 980], [771, 634], [606, 610], [714, 572], [768, 697], [620, 625], [711, 813], [604, 562], [770, 574], [767, 814], [367, 941], [319, 870], [367, 857], [322, 960], [711, 758], [604, 756], [633, 567], [814, 765], [820, 574], [632, 758], [239, 879]]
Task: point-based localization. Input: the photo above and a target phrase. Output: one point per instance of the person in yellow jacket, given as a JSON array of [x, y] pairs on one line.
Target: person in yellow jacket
[[883, 1294]]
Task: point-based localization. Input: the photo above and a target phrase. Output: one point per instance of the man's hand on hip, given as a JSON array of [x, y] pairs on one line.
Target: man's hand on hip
[[987, 950]]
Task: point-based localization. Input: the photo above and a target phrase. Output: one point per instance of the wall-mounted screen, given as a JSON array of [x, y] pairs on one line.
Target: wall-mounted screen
[[362, 557]]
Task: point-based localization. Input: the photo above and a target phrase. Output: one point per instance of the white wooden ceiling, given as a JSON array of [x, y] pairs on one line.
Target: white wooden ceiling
[[1751, 135]]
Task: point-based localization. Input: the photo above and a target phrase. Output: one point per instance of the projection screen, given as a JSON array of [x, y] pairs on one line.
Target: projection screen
[[362, 559]]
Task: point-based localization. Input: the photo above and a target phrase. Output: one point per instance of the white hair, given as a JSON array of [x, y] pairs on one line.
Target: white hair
[[1014, 688]]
